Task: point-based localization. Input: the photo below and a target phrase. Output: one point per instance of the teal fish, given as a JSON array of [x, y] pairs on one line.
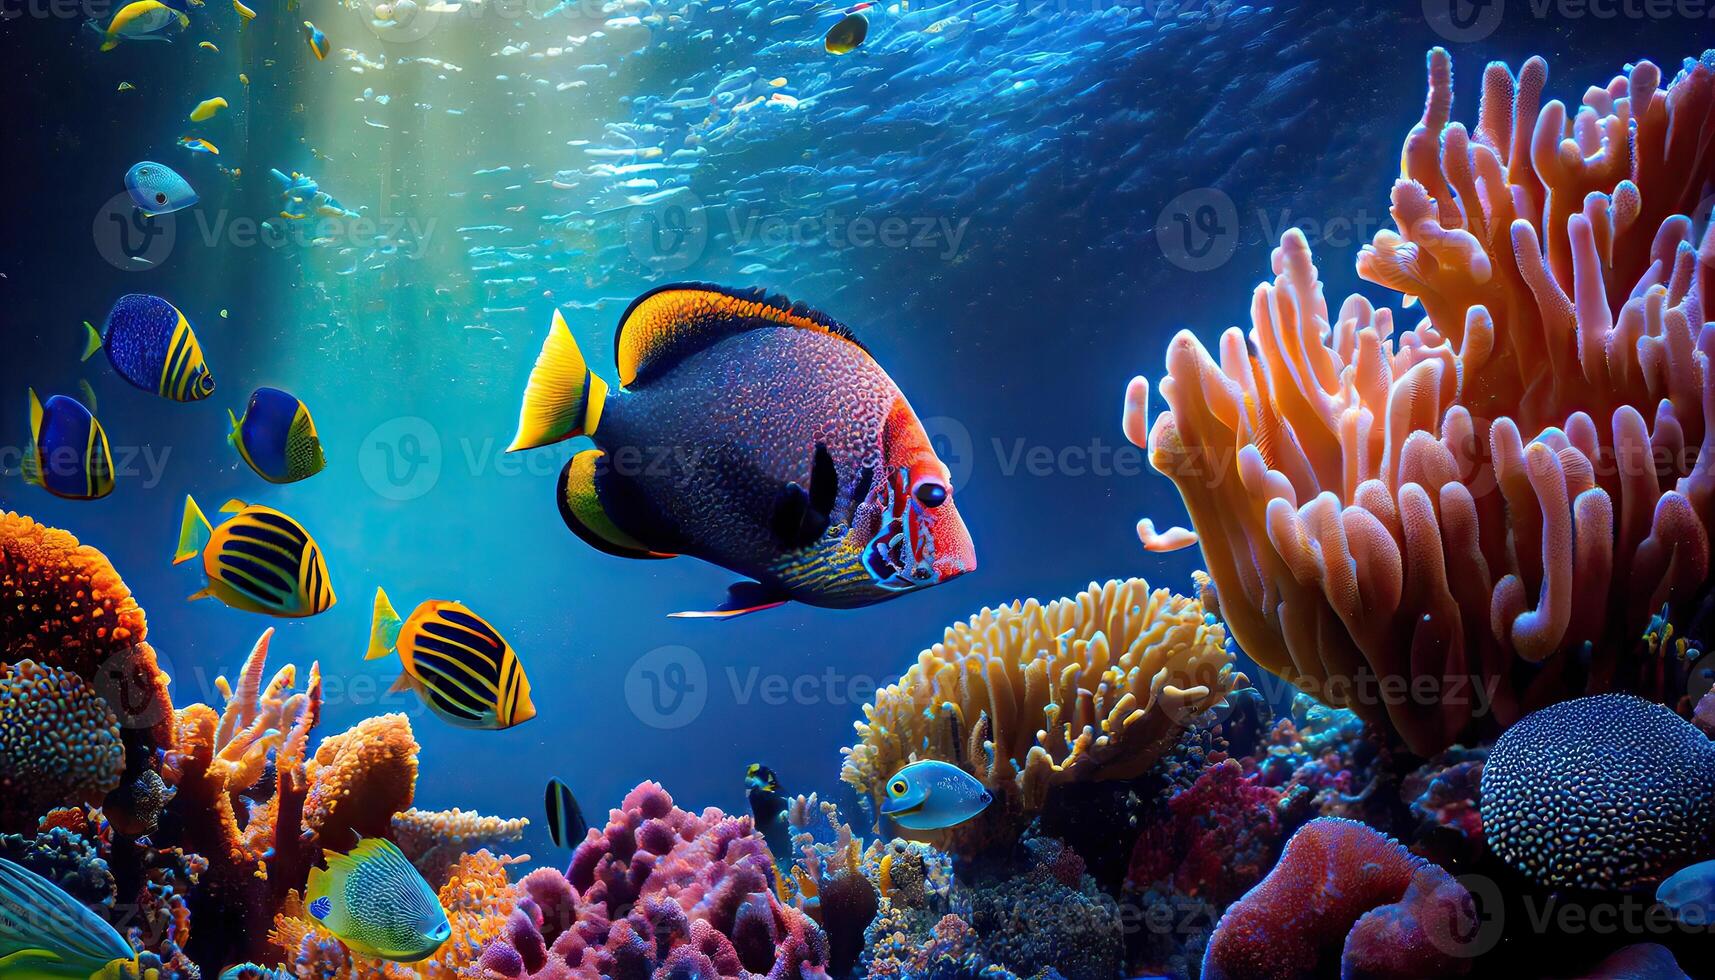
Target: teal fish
[[68, 455], [277, 437], [933, 795], [46, 934], [566, 824], [378, 904], [151, 344]]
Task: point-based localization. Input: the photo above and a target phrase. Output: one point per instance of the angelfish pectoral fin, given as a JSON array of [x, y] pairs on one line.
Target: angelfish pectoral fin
[[801, 516], [741, 598]]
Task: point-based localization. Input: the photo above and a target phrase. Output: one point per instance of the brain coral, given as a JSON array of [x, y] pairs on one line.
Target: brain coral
[[1425, 506], [1344, 894], [59, 744], [1031, 695], [1608, 792]]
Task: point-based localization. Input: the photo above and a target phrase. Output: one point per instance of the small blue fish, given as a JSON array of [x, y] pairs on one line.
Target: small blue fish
[[1690, 894], [277, 437], [933, 795], [318, 40], [68, 455], [151, 344], [158, 189]]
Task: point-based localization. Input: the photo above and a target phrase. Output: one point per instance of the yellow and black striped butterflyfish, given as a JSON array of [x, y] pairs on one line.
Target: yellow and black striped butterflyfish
[[258, 560], [457, 663], [45, 934], [68, 455], [151, 344], [566, 824]]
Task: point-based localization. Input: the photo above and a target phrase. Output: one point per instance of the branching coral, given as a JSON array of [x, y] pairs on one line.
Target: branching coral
[[63, 606], [1031, 696], [252, 865], [435, 840], [1527, 470], [59, 744]]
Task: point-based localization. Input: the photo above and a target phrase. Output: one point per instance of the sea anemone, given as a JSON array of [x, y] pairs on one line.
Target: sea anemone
[[1514, 480]]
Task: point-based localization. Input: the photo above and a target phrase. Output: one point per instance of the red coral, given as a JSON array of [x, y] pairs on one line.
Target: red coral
[[1343, 889], [1222, 832], [659, 891]]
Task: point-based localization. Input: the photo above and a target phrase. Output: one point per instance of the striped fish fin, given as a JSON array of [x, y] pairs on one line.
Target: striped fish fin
[[566, 824], [97, 461], [32, 462], [36, 915], [194, 532]]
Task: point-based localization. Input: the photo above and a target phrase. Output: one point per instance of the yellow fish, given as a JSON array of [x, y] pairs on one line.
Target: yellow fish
[[259, 561], [198, 145], [243, 78], [244, 12], [318, 41], [140, 18], [377, 903], [207, 108], [456, 662], [127, 87], [209, 46]]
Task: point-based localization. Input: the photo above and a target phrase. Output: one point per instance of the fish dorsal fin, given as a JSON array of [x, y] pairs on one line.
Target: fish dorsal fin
[[233, 506], [670, 322]]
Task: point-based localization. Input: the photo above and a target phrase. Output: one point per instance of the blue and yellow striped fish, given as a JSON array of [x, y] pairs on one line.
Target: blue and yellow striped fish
[[455, 661], [46, 934], [259, 560], [68, 455], [277, 437], [151, 344]]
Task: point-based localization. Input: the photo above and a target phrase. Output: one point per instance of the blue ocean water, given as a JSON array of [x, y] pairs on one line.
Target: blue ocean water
[[988, 193]]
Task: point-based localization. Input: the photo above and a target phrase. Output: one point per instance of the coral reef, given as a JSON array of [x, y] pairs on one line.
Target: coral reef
[[65, 608], [1421, 510], [659, 889], [1225, 832], [59, 743], [1604, 792], [1050, 918], [359, 779], [435, 840], [1343, 889], [477, 896], [1031, 696]]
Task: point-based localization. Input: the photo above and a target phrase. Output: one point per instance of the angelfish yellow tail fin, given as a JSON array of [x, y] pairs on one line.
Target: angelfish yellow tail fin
[[32, 463], [384, 628], [194, 532], [563, 398]]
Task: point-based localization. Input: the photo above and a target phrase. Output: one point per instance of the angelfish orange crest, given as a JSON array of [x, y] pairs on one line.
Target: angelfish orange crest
[[753, 433]]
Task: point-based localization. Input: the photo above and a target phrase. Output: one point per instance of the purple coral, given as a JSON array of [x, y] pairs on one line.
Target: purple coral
[[659, 892]]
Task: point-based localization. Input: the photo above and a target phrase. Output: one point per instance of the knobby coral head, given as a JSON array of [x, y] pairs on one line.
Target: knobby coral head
[[1393, 520]]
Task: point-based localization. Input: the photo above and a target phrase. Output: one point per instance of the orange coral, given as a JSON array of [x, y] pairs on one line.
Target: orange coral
[[478, 898], [359, 779], [1373, 509], [62, 604], [59, 744]]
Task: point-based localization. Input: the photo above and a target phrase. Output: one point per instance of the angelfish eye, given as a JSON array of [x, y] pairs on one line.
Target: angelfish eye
[[930, 494], [160, 198], [898, 788]]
